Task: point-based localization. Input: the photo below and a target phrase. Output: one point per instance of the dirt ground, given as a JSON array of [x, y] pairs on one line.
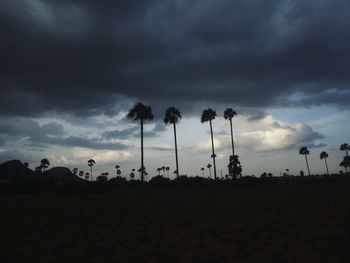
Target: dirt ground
[[271, 223]]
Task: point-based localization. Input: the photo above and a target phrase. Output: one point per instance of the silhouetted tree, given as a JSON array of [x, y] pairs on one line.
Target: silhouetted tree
[[91, 163], [167, 169], [172, 116], [345, 147], [209, 115], [132, 174], [38, 169], [234, 167], [263, 175], [81, 173], [202, 169], [141, 113], [345, 163], [228, 115], [158, 170], [44, 163], [304, 151], [87, 176], [163, 169], [118, 171], [26, 164], [324, 156], [75, 171], [269, 175], [209, 167]]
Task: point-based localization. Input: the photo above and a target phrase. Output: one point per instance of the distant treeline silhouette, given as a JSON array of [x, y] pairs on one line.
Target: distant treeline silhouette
[[141, 113]]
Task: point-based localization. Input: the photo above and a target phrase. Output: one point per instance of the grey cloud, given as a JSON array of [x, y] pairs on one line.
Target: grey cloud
[[52, 133], [84, 57]]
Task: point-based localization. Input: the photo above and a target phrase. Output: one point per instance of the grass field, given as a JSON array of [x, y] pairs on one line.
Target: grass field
[[271, 223]]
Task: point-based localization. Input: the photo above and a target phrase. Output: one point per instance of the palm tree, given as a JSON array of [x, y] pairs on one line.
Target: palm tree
[[324, 156], [140, 113], [202, 169], [158, 170], [81, 173], [87, 175], [172, 116], [91, 163], [209, 115], [26, 164], [209, 167], [304, 151], [345, 147], [44, 163], [228, 115], [167, 169]]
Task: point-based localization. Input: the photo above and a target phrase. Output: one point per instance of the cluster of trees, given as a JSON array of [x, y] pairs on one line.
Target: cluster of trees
[[144, 113], [324, 156]]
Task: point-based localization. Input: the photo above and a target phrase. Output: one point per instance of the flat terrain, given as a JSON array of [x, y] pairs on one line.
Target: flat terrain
[[271, 223]]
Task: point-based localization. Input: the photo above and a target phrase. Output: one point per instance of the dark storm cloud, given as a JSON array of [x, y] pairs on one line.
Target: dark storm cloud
[[87, 57]]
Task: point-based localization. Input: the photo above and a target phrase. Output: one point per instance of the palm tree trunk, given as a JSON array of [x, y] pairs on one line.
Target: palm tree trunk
[[209, 172], [141, 150], [325, 160], [233, 147], [212, 146], [233, 150], [307, 164], [90, 173], [177, 161]]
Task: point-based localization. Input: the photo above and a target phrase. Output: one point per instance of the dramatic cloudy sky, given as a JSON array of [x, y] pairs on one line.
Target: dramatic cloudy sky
[[70, 70]]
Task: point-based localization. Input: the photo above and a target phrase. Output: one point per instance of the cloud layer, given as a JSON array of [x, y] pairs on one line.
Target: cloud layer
[[85, 57]]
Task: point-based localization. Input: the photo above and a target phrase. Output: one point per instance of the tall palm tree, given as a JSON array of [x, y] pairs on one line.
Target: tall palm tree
[[158, 170], [324, 156], [228, 115], [91, 163], [345, 147], [141, 113], [172, 116], [209, 115], [304, 151], [44, 163], [209, 167]]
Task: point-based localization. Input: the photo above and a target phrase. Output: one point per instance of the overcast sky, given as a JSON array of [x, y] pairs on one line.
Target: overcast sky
[[70, 70]]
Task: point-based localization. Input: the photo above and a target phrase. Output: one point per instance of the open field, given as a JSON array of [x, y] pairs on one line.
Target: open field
[[266, 223]]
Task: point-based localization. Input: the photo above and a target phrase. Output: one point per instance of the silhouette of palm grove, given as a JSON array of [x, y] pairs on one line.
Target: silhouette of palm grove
[[233, 218], [15, 171]]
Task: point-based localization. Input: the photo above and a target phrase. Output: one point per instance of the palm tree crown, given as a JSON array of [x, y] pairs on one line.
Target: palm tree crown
[[140, 112], [323, 155], [172, 115], [208, 115], [304, 151], [229, 114]]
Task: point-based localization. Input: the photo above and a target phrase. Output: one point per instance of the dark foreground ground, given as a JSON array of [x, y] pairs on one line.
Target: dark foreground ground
[[266, 223]]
